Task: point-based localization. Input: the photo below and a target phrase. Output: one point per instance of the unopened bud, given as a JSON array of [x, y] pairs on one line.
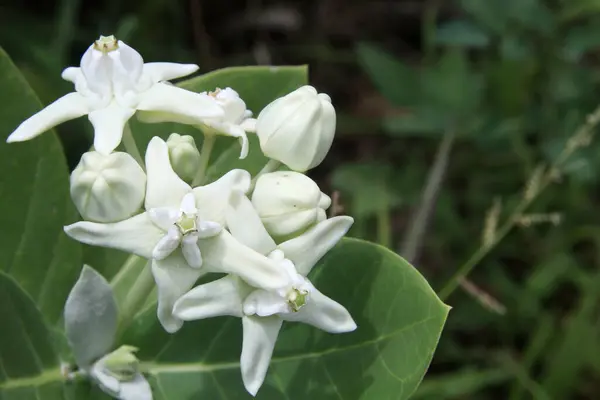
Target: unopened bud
[[184, 156]]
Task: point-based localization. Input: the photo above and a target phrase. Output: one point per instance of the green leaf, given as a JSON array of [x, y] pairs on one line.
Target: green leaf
[[462, 33], [35, 203], [399, 321]]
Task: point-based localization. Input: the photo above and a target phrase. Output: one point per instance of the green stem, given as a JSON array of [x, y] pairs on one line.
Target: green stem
[[271, 166], [137, 296], [384, 228], [131, 147], [207, 148]]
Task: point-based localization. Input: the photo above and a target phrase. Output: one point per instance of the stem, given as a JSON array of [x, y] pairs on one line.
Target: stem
[[579, 139], [131, 147], [384, 228], [428, 28], [271, 166], [207, 147], [138, 294]]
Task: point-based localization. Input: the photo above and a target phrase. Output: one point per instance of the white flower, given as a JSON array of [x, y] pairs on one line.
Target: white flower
[[234, 121], [181, 231], [297, 129], [263, 311], [107, 188], [111, 84], [289, 202], [184, 155], [117, 374]]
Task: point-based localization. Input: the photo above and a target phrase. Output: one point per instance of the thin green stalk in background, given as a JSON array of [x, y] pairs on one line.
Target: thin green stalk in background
[[131, 147], [207, 147], [580, 138], [384, 226], [136, 297], [271, 166]]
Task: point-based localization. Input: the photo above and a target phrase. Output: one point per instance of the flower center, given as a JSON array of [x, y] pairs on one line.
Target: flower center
[[187, 224], [297, 299], [214, 93], [106, 44]]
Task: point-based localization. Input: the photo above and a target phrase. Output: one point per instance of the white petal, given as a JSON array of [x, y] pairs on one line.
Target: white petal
[[188, 204], [136, 389], [324, 313], [245, 225], [191, 252], [213, 199], [170, 99], [164, 217], [249, 125], [264, 303], [167, 244], [305, 250], [221, 297], [164, 187], [260, 335], [230, 129], [208, 229], [222, 253], [107, 383], [164, 71], [108, 126], [136, 235], [70, 106], [173, 278]]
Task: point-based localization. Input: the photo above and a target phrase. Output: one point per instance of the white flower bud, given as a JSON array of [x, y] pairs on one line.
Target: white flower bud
[[184, 156], [289, 202], [107, 188], [297, 129]]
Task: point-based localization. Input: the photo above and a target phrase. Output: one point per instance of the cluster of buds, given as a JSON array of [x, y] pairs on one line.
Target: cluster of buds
[[265, 233]]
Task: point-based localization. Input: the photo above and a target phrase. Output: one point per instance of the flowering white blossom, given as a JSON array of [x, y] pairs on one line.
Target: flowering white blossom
[[181, 232], [235, 120], [111, 83], [117, 374], [263, 311], [289, 202], [297, 129], [107, 188]]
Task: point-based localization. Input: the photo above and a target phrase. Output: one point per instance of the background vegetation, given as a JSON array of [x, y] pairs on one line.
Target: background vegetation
[[452, 114]]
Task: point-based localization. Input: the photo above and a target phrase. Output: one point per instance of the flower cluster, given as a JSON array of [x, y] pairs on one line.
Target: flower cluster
[[265, 233]]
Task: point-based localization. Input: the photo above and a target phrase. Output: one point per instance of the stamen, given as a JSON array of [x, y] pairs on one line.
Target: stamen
[[297, 299], [106, 44]]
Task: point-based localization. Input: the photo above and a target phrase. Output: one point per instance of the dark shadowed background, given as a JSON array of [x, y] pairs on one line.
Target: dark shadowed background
[[446, 110]]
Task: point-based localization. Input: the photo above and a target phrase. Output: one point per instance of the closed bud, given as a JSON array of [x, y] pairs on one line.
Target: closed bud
[[288, 203], [107, 188], [184, 156], [297, 129], [122, 364]]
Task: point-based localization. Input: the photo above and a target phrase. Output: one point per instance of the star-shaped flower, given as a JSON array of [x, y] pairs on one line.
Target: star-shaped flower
[[182, 232], [263, 311], [111, 84]]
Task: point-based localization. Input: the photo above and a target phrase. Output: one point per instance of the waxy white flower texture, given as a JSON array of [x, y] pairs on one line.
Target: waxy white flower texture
[[235, 120], [117, 375], [297, 129], [289, 202], [111, 84], [107, 188], [263, 311], [176, 217]]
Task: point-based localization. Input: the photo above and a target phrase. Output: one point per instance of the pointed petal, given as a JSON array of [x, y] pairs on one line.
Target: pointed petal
[[230, 129], [223, 253], [164, 187], [108, 125], [245, 225], [191, 252], [249, 125], [208, 229], [173, 278], [164, 71], [107, 383], [324, 313], [265, 303], [188, 204], [307, 249], [167, 244], [260, 335], [136, 235], [170, 99], [213, 199], [70, 106], [221, 297], [164, 217], [136, 389]]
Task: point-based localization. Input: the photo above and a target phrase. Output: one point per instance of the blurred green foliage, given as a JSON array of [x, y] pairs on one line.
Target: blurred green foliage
[[511, 79]]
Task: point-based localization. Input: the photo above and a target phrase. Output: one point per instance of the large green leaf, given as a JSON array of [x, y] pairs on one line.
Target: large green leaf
[[35, 203], [399, 321]]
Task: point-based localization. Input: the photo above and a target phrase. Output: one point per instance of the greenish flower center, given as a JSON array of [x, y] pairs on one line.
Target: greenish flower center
[[297, 299], [187, 224], [106, 44], [122, 364]]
